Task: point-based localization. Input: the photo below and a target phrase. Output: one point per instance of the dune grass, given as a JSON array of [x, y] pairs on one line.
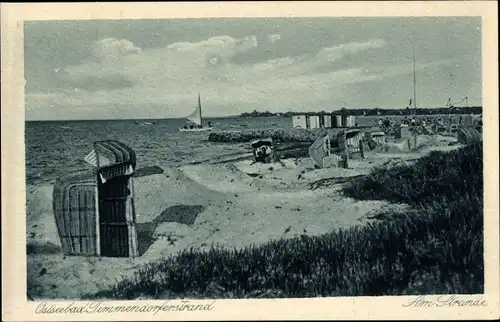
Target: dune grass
[[452, 175], [437, 248]]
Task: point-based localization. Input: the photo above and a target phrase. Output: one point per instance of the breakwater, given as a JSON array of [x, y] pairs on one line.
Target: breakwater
[[278, 135]]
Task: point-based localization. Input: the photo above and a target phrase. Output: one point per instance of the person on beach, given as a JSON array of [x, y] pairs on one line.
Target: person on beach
[[387, 123]]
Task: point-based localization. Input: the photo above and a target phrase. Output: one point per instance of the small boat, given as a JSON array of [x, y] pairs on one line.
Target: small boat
[[197, 119], [201, 129], [65, 127], [144, 123]]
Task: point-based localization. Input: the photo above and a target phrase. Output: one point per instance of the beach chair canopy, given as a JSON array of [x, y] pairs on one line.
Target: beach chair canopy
[[469, 135], [348, 134], [112, 158], [262, 142], [263, 150], [320, 149], [377, 134]]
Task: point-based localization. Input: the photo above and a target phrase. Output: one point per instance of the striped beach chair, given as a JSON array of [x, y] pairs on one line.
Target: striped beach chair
[[95, 210], [468, 135], [350, 140]]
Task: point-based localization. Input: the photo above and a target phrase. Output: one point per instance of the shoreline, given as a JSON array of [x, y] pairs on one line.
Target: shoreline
[[232, 205]]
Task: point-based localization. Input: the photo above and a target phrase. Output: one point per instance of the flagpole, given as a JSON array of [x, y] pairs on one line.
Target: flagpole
[[199, 107], [414, 83]]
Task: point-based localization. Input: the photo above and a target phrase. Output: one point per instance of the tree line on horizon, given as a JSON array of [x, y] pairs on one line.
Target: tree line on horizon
[[376, 112]]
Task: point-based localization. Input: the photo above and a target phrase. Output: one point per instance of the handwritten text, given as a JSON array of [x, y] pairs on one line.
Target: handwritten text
[[103, 307], [447, 301]]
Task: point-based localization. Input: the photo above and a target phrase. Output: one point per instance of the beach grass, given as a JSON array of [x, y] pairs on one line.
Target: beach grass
[[452, 175], [435, 248]]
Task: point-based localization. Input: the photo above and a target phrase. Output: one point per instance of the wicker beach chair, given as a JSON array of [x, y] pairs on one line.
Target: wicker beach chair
[[94, 210]]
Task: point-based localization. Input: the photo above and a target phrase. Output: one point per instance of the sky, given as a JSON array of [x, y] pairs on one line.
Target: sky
[[133, 69]]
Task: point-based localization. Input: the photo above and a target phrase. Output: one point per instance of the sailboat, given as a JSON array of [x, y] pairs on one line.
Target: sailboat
[[196, 118]]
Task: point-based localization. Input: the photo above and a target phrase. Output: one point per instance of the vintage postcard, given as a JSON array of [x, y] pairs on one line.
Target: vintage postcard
[[235, 161]]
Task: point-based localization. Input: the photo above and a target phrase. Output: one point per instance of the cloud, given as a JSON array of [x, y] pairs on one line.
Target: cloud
[[113, 48], [165, 81], [337, 52], [41, 100], [274, 38], [223, 46]]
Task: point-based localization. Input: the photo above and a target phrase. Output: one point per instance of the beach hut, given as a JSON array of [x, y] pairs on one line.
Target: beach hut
[[321, 121], [327, 121], [337, 121], [314, 122], [350, 121], [344, 120], [94, 211], [299, 121]]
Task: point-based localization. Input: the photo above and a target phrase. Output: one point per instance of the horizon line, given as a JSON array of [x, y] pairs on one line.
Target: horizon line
[[238, 115]]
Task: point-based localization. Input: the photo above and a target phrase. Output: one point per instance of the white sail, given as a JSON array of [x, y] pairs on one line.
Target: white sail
[[195, 117]]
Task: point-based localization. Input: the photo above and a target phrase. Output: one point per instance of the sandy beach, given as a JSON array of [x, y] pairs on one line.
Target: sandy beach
[[232, 205], [263, 158]]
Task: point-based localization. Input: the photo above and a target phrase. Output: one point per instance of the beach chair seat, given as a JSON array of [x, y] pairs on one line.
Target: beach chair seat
[[75, 211]]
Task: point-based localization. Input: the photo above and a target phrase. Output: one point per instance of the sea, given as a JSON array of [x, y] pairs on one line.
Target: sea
[[56, 148]]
